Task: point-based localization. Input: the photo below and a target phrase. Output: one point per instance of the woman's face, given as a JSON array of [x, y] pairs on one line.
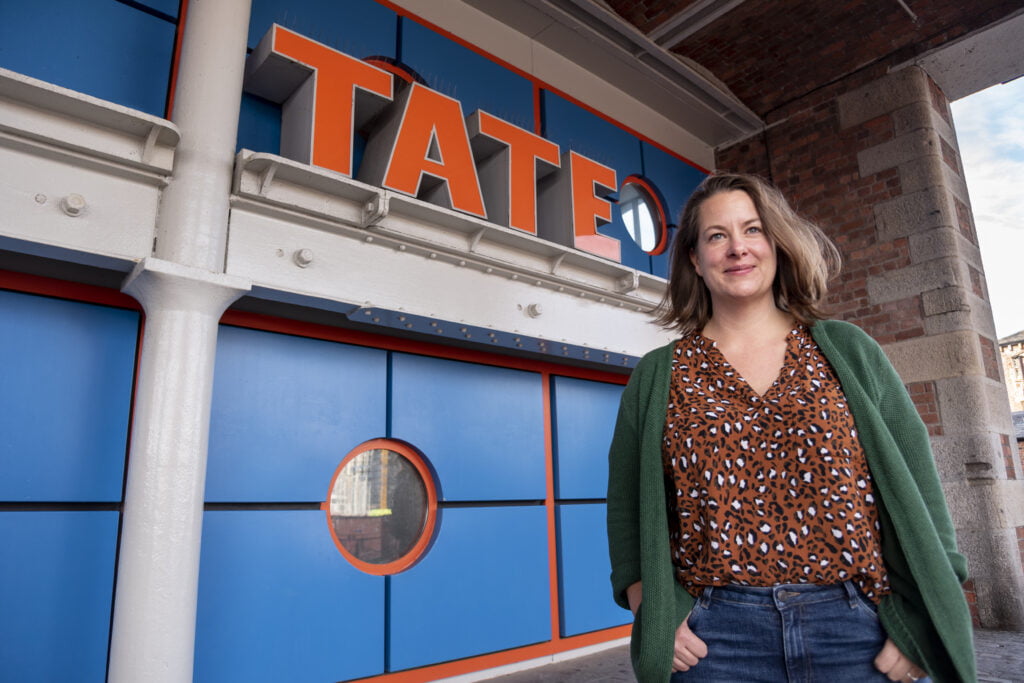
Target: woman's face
[[733, 254]]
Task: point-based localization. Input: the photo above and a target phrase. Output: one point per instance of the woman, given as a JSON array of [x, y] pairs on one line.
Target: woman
[[774, 512]]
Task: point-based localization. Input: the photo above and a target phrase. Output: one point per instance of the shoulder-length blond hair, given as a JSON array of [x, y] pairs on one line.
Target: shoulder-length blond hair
[[807, 258]]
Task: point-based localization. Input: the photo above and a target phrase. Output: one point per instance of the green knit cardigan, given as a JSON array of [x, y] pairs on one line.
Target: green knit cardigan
[[926, 614]]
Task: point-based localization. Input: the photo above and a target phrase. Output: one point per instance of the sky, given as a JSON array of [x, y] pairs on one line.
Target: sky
[[990, 131]]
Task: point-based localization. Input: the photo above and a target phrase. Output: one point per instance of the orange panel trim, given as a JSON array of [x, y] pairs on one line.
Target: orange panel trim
[[179, 33], [62, 289], [549, 504], [521, 654]]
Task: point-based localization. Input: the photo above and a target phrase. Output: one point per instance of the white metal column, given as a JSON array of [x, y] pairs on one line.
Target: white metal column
[[184, 293]]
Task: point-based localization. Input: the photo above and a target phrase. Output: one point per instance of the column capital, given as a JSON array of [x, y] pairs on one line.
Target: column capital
[[164, 285]]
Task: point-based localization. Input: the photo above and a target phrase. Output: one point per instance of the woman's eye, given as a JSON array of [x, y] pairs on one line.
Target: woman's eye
[[754, 229], [715, 236]]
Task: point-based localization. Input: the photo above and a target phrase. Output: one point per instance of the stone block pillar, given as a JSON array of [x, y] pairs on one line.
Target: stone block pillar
[[874, 160]]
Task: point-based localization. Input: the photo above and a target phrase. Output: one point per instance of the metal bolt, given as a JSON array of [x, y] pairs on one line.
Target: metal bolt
[[533, 310], [73, 205], [303, 257]]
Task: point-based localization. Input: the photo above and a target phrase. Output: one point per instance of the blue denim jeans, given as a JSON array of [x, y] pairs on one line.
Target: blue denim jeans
[[800, 633]]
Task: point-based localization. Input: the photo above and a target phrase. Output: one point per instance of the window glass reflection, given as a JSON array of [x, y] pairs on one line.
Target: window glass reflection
[[378, 506], [640, 216]]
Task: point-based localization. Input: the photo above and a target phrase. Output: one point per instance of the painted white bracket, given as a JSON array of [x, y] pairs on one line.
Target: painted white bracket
[[375, 211], [80, 178]]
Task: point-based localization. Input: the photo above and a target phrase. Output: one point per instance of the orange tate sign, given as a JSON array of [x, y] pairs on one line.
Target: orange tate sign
[[421, 144]]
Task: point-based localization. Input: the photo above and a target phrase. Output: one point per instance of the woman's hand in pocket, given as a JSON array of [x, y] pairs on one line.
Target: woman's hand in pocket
[[689, 648]]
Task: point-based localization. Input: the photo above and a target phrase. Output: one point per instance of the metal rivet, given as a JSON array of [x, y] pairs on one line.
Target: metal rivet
[[73, 205], [303, 257], [40, 198], [369, 238], [401, 247]]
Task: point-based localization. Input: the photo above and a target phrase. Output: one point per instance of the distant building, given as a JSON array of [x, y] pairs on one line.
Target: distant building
[[1012, 351]]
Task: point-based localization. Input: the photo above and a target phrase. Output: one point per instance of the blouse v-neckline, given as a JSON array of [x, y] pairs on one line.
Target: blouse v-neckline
[[711, 348]]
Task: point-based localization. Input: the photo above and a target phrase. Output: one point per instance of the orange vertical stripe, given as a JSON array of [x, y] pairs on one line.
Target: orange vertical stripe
[[176, 58], [549, 504]]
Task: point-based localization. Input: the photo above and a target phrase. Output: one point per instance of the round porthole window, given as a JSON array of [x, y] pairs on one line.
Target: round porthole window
[[382, 506], [643, 213]]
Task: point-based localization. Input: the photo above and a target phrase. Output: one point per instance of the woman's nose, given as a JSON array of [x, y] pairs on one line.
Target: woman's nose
[[737, 247]]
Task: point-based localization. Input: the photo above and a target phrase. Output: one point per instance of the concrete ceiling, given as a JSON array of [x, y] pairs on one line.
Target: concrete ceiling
[[727, 67]]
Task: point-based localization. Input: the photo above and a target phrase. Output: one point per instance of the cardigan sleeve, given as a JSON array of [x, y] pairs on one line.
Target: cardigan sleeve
[[911, 436], [623, 516]]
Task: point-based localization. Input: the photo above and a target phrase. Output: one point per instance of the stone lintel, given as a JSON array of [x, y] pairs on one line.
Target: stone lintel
[[914, 212], [944, 242], [924, 359], [972, 404], [954, 452], [899, 284], [997, 504], [886, 95], [922, 142], [966, 312], [931, 171]]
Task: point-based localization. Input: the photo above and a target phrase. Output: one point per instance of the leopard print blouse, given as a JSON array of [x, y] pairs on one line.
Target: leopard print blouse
[[771, 489]]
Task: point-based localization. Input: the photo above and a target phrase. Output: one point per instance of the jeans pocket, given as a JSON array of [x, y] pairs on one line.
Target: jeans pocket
[[864, 603], [696, 614]]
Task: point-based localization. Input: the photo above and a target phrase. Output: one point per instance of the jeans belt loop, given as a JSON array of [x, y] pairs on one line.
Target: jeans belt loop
[[705, 597], [851, 593]]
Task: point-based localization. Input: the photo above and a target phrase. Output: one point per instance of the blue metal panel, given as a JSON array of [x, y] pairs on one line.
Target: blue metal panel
[[677, 180], [168, 7], [102, 48], [474, 80], [259, 125], [278, 602], [56, 582], [585, 592], [584, 418], [483, 587], [575, 128], [481, 427], [65, 393], [360, 28], [286, 410]]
